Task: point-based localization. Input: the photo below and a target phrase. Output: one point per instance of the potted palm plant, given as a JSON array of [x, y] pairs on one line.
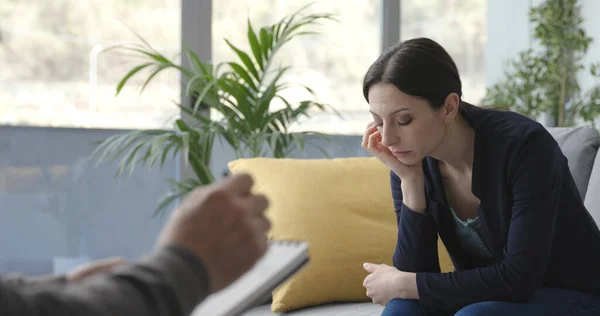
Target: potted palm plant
[[242, 92]]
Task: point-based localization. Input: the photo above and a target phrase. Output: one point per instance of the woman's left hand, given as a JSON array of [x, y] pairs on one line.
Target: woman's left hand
[[384, 283]]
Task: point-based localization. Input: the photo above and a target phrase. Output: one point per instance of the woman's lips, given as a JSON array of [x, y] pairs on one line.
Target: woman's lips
[[400, 154]]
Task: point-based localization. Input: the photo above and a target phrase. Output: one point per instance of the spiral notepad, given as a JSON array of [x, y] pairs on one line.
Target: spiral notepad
[[282, 260]]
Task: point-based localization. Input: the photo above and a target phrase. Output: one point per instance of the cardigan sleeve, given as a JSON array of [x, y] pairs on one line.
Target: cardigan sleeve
[[535, 176], [416, 248]]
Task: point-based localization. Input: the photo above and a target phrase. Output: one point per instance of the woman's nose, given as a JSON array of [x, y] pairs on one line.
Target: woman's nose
[[387, 137]]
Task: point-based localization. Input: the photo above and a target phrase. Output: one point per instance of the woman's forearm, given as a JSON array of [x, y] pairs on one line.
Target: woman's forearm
[[413, 195], [408, 286]]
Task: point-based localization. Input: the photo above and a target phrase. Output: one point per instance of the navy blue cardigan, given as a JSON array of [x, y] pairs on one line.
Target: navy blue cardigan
[[542, 235]]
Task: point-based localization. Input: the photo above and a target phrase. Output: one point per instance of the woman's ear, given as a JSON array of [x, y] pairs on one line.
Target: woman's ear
[[451, 106]]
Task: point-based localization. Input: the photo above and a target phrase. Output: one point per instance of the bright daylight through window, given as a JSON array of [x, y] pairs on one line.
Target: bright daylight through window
[[54, 74], [460, 27], [332, 63]]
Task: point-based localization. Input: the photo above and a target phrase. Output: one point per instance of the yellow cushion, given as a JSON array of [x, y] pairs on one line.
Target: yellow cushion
[[343, 208]]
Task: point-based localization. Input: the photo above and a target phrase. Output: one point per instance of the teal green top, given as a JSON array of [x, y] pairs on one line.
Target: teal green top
[[471, 236]]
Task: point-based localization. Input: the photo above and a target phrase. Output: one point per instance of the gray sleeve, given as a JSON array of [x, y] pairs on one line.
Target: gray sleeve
[[19, 280], [171, 281]]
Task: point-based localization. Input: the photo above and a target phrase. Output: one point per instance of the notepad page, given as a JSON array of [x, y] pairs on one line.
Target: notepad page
[[280, 259]]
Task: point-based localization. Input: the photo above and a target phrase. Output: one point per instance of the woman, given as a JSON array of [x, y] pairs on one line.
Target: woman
[[493, 184]]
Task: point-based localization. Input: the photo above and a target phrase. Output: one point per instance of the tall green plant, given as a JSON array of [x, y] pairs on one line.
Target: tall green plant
[[242, 92], [545, 80]]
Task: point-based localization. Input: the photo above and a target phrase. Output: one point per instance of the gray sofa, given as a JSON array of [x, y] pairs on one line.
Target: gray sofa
[[579, 145]]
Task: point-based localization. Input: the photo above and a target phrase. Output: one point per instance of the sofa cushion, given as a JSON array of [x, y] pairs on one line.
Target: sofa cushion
[[579, 145], [354, 309], [343, 208], [592, 198]]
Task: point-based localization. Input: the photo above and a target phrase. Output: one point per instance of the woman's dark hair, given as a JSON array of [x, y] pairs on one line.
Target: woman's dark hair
[[418, 67]]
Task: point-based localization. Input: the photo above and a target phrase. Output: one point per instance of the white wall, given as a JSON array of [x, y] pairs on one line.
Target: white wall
[[507, 34], [591, 17]]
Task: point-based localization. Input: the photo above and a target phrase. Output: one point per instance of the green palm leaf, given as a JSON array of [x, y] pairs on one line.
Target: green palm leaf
[[244, 75], [245, 59], [255, 46], [241, 91]]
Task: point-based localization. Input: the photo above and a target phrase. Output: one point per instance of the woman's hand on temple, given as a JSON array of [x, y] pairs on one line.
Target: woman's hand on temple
[[411, 175], [372, 142]]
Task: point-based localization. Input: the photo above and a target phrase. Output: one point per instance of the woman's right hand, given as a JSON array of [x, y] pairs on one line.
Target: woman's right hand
[[413, 193], [372, 142]]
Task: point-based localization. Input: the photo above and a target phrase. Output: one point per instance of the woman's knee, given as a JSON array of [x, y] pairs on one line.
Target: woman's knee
[[479, 309], [402, 307]]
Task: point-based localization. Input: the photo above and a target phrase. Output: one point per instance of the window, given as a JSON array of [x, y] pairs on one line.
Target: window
[[332, 64], [54, 72], [460, 27], [57, 209]]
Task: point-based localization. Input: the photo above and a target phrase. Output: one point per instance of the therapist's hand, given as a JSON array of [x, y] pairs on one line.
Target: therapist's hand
[[224, 225], [93, 268]]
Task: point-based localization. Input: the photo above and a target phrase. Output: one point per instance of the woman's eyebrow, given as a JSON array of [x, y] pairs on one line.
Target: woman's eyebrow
[[373, 113], [394, 112]]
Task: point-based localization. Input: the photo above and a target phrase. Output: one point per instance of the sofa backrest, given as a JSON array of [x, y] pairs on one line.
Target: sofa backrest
[[592, 198], [580, 145]]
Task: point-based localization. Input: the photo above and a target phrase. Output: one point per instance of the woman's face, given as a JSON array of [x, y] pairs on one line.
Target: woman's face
[[410, 128]]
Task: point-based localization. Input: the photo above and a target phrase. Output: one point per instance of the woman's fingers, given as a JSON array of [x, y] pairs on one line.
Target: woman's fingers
[[373, 143], [371, 128]]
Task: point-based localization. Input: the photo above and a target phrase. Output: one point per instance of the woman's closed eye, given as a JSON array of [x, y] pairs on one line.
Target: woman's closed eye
[[404, 123], [403, 119], [400, 123]]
